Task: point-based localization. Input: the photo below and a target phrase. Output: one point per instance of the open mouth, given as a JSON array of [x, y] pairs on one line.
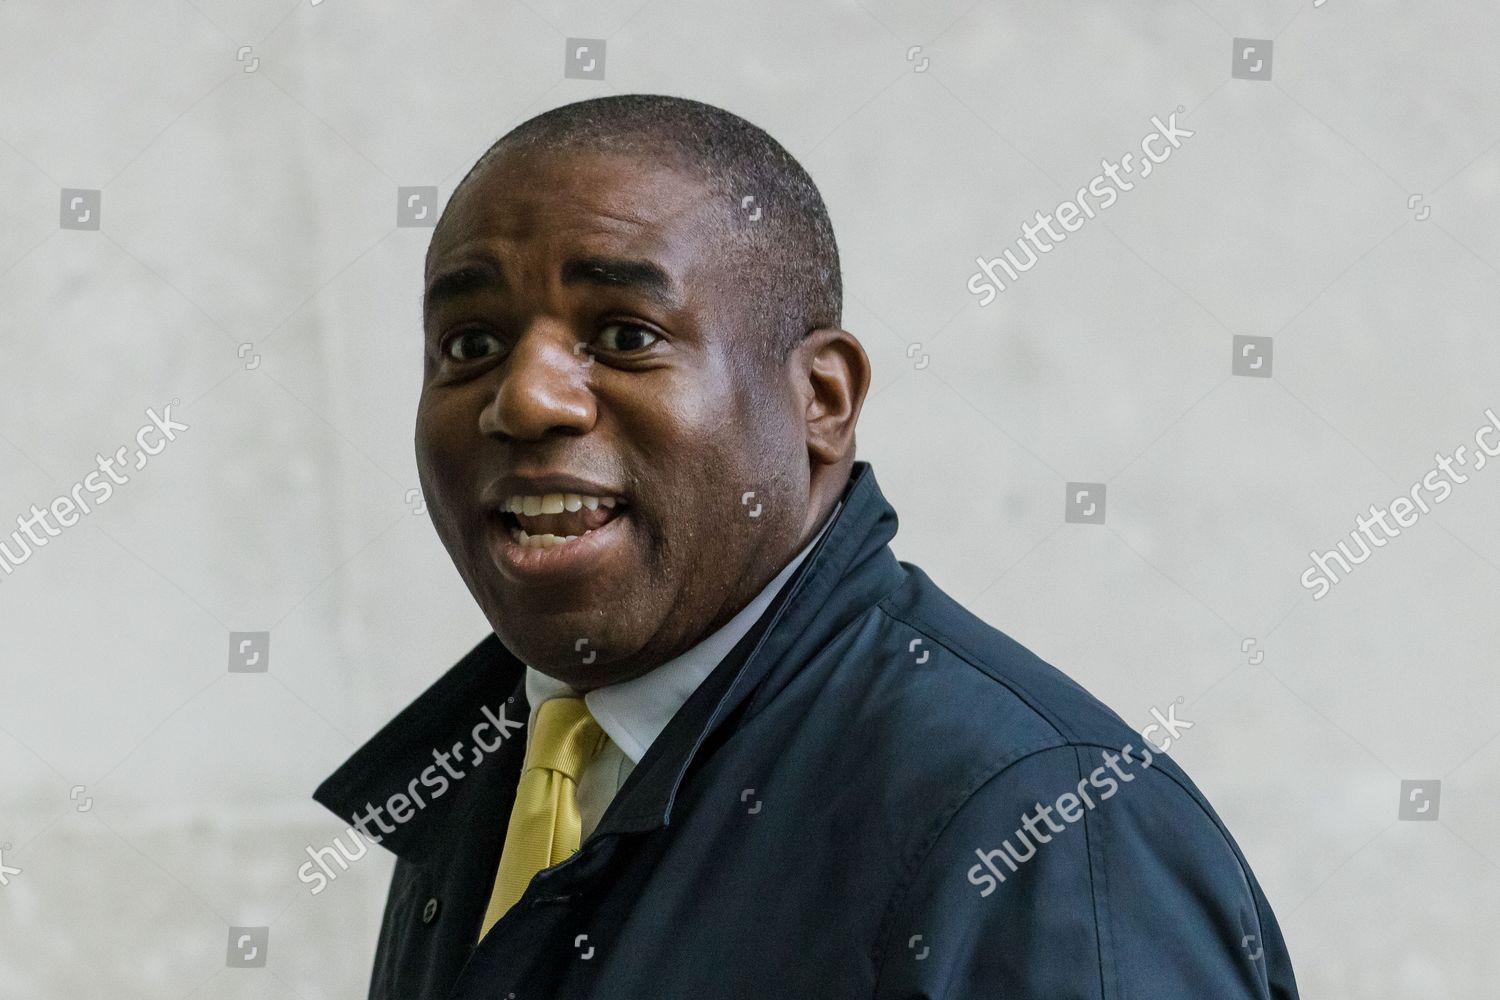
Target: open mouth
[[553, 519]]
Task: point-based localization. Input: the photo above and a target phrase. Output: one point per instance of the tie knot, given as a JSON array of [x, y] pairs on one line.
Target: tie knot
[[566, 737]]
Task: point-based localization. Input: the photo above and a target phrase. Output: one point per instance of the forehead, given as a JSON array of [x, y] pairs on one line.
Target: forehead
[[606, 201]]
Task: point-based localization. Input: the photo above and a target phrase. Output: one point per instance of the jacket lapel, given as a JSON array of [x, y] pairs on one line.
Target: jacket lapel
[[479, 703]]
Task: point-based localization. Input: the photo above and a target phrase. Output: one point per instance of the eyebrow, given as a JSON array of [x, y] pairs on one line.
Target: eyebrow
[[485, 274]]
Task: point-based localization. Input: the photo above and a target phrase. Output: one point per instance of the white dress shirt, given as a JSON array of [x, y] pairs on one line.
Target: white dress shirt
[[633, 713]]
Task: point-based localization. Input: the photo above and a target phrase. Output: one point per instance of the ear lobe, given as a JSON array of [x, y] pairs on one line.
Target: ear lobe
[[835, 372]]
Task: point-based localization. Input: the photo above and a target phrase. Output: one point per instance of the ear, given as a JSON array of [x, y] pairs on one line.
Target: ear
[[833, 376]]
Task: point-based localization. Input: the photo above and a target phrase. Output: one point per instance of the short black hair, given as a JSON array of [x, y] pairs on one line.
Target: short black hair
[[775, 226]]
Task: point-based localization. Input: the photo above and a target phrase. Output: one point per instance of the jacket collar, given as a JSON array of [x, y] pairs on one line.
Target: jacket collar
[[849, 570]]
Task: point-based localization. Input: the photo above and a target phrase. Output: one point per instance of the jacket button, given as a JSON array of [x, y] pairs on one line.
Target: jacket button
[[430, 911]]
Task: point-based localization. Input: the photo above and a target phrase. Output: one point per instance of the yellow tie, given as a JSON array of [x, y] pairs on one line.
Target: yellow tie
[[545, 827]]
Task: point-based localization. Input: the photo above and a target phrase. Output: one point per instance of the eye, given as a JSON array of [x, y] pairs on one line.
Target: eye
[[626, 337], [470, 344]]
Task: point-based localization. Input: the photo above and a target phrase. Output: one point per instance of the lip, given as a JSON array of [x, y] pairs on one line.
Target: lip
[[576, 558]]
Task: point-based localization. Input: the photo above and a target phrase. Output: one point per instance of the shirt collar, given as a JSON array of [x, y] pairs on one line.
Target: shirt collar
[[633, 713]]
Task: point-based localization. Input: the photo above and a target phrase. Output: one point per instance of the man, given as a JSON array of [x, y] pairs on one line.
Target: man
[[722, 743]]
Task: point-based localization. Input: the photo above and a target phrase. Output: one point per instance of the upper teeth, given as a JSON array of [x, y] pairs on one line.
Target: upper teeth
[[555, 503]]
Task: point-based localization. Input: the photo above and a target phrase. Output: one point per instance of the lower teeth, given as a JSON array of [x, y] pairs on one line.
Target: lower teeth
[[545, 541]]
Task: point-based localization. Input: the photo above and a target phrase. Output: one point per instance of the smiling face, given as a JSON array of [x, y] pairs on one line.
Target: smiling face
[[590, 372]]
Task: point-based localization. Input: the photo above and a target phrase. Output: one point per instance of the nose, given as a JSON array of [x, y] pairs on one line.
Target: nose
[[543, 388]]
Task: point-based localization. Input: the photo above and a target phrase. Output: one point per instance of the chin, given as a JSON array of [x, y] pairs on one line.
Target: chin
[[560, 649]]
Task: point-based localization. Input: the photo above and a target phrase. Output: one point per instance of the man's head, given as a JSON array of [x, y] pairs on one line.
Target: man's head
[[635, 298]]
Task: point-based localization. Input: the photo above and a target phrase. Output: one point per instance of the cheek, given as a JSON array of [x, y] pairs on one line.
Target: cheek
[[443, 441], [428, 441], [708, 409]]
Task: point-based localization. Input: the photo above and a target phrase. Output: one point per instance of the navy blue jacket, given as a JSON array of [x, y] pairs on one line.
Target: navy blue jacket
[[875, 795]]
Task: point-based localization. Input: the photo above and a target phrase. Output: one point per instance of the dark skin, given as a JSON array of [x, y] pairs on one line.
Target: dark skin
[[659, 396]]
